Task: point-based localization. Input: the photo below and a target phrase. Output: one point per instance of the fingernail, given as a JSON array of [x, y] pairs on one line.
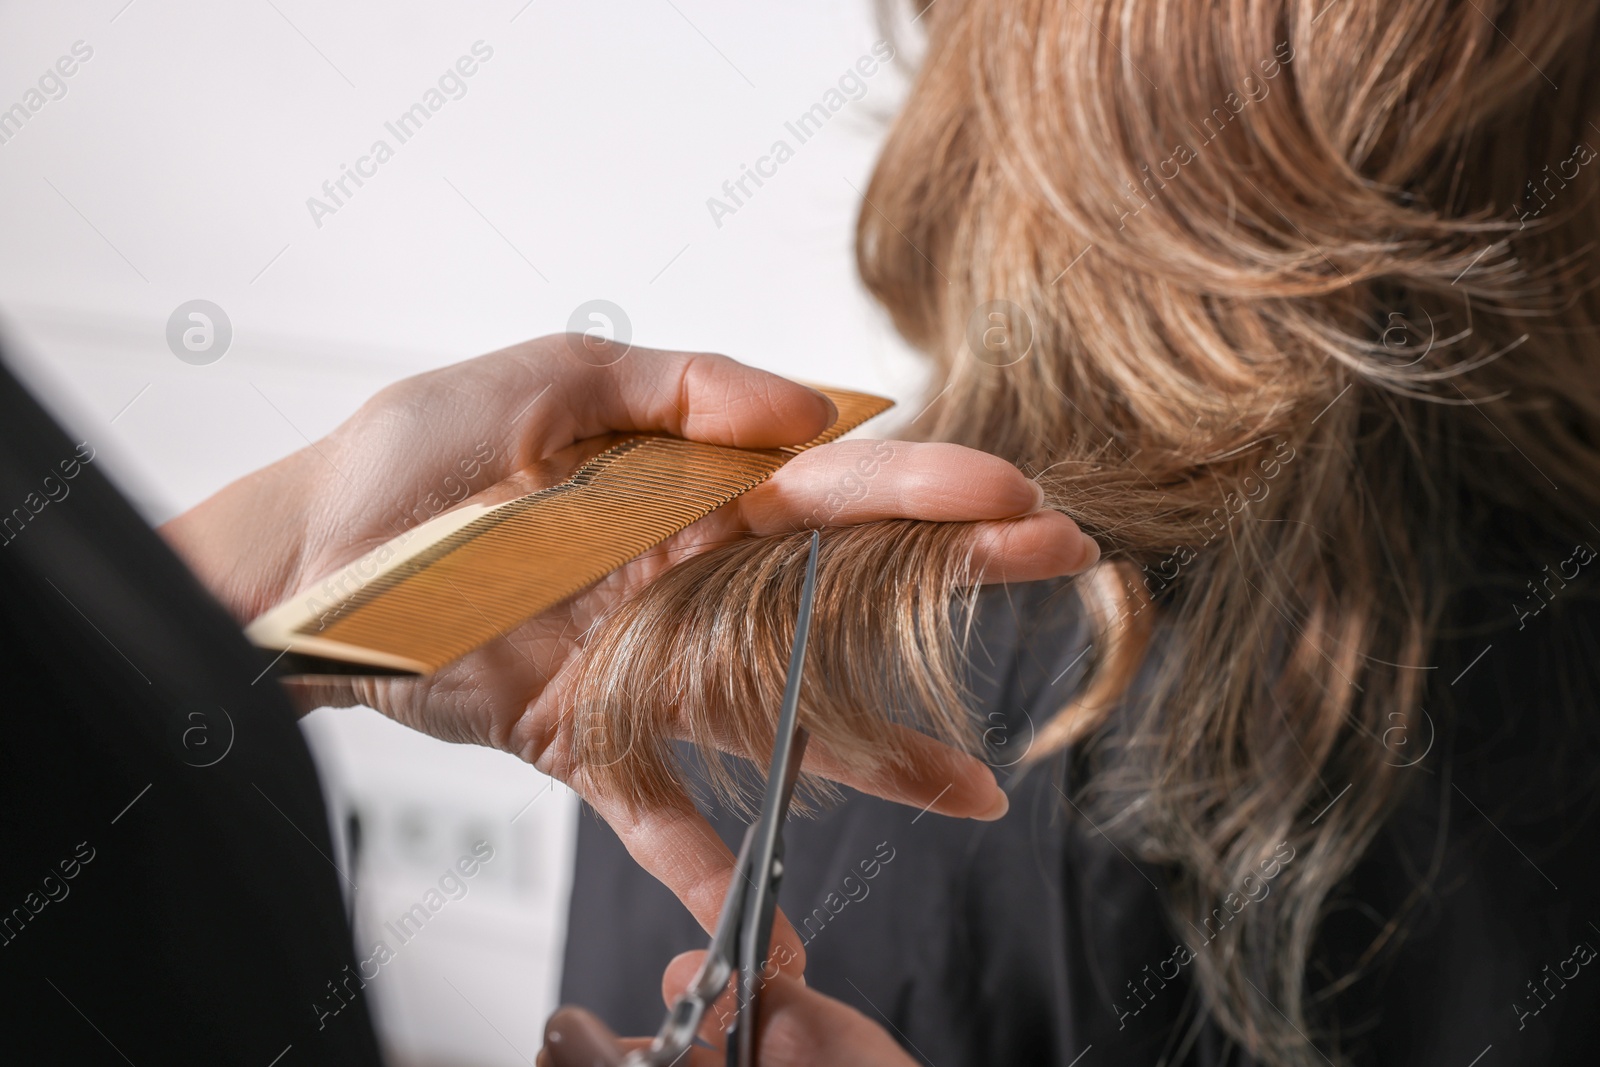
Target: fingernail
[[1091, 552], [833, 409], [996, 810], [1038, 492]]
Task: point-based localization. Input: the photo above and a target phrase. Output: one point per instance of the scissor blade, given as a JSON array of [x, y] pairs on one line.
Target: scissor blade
[[744, 930], [788, 750], [783, 770]]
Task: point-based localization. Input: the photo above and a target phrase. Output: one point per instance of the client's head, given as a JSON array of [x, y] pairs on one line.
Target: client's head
[[1281, 300]]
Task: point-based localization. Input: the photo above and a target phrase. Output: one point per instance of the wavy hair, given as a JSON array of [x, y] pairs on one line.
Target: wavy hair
[[1288, 299]]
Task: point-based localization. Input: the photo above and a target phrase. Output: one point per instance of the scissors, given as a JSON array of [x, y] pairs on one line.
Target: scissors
[[744, 931]]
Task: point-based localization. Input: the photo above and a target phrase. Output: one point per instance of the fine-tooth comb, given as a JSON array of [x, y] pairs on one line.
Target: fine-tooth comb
[[436, 592]]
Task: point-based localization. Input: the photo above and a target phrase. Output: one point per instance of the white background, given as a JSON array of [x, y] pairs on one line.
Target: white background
[[178, 165]]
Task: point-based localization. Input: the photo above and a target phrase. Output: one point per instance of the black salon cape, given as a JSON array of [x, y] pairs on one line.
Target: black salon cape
[[1015, 943], [166, 893]]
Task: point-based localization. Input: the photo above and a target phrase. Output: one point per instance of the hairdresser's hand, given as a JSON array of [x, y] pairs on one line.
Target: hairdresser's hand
[[798, 1027], [428, 441]]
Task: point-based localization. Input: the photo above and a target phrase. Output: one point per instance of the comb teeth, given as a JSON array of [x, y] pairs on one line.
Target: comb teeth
[[471, 575]]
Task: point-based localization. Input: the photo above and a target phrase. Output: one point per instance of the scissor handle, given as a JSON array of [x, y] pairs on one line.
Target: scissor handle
[[757, 932], [682, 1024]]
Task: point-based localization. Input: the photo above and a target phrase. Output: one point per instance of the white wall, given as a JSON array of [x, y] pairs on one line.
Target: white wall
[[577, 165]]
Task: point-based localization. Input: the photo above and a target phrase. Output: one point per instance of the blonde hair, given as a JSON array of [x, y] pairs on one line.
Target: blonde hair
[[1302, 286]]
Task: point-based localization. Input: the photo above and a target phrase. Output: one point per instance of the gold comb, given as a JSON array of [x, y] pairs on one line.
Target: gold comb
[[436, 592]]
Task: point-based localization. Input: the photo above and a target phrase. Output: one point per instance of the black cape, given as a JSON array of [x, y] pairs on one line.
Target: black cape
[[1035, 940]]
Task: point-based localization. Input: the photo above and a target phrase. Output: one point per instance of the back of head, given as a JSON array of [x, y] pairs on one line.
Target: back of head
[[1280, 299]]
